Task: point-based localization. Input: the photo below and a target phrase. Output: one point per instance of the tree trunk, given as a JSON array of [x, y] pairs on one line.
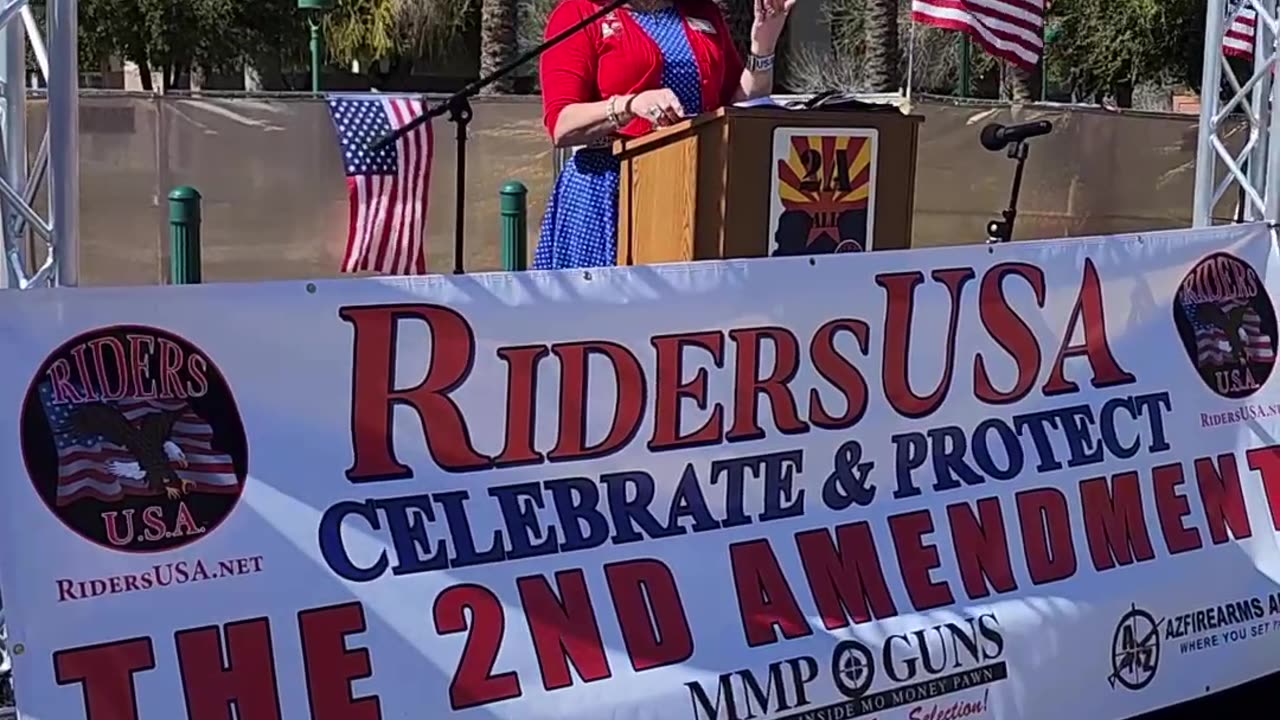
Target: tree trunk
[[1018, 83], [499, 42], [738, 15], [1122, 94], [882, 57], [195, 78]]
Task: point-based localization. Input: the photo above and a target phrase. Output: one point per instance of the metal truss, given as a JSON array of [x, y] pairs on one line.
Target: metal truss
[[1254, 171], [57, 159]]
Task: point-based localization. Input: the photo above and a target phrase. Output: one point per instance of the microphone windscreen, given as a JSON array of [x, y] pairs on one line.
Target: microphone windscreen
[[990, 137]]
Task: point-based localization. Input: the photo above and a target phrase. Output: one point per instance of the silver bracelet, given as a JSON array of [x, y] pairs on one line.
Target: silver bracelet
[[759, 63]]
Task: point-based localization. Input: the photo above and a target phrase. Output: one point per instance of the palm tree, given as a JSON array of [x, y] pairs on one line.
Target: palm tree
[[499, 40], [882, 46], [739, 15], [1018, 82]]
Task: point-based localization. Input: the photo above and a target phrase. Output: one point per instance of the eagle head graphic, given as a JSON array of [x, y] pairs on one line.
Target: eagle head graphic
[[1229, 321], [155, 454]]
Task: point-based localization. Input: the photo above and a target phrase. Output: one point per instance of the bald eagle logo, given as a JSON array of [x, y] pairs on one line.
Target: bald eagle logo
[[155, 454], [1231, 323]]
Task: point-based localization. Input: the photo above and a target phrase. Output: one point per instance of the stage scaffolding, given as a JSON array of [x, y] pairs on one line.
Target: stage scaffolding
[[1254, 171], [56, 161]]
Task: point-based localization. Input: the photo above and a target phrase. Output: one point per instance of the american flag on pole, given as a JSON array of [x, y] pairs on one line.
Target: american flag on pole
[[89, 465], [1011, 30], [1240, 30], [386, 188], [1214, 348]]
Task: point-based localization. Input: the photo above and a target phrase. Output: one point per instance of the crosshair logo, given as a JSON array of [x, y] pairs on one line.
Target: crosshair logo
[[1135, 649], [852, 668]]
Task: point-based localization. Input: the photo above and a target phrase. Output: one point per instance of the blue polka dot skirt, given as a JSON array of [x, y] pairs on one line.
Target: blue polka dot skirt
[[580, 226]]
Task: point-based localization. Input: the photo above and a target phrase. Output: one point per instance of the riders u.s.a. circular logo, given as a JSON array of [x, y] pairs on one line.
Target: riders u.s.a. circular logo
[[1227, 323], [132, 439]]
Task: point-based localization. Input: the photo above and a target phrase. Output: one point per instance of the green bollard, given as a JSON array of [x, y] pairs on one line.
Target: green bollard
[[184, 236], [514, 205]]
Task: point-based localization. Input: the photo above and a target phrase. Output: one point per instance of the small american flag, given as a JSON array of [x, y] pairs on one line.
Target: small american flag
[[1240, 30], [1213, 347], [90, 466], [1011, 30], [386, 188]]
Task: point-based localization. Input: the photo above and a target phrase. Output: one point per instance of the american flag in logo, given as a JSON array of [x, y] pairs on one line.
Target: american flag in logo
[[386, 188], [1214, 348], [91, 466]]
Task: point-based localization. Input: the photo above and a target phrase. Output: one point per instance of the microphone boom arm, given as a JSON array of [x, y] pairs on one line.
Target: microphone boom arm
[[473, 88]]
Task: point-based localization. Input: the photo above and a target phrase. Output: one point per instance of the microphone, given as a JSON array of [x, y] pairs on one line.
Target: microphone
[[996, 137]]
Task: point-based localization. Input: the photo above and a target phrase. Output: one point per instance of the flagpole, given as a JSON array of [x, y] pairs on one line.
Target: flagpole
[[966, 60]]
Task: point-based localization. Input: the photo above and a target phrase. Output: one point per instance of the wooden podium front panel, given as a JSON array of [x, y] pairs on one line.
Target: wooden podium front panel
[[702, 189], [658, 195], [751, 169]]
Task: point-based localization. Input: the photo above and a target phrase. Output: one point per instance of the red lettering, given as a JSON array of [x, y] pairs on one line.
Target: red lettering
[[1223, 498], [140, 347], [829, 363], [374, 396], [900, 290], [917, 559], [564, 628], [765, 600], [80, 352], [246, 678], [1171, 507], [1266, 461], [522, 399], [655, 628], [331, 667], [982, 551], [198, 386], [845, 576], [1114, 524], [1046, 535], [1089, 313], [98, 349], [1010, 332], [575, 390], [474, 682], [670, 391], [105, 673], [749, 386], [171, 385]]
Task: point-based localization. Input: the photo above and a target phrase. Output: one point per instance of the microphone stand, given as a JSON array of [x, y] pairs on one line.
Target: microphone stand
[[458, 106], [1001, 231]]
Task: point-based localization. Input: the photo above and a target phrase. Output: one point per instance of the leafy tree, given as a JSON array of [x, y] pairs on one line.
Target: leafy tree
[[177, 36], [398, 31], [1106, 47]]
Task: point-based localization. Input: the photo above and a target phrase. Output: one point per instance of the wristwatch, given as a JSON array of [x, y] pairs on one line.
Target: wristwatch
[[759, 63]]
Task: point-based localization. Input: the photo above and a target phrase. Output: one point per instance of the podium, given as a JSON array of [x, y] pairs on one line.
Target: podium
[[767, 181]]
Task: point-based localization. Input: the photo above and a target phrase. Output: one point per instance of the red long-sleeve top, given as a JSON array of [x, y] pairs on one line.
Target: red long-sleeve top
[[615, 56]]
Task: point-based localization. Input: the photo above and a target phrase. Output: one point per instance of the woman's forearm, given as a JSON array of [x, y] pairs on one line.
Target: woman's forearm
[[758, 83], [583, 123], [754, 85]]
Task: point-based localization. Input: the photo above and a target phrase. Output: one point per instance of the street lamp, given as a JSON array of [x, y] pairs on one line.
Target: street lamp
[[314, 9]]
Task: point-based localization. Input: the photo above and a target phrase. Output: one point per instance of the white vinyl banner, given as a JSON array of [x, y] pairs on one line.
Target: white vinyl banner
[[1039, 481]]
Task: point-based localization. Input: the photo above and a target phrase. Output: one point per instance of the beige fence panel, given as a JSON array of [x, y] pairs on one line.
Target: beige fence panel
[[275, 200]]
